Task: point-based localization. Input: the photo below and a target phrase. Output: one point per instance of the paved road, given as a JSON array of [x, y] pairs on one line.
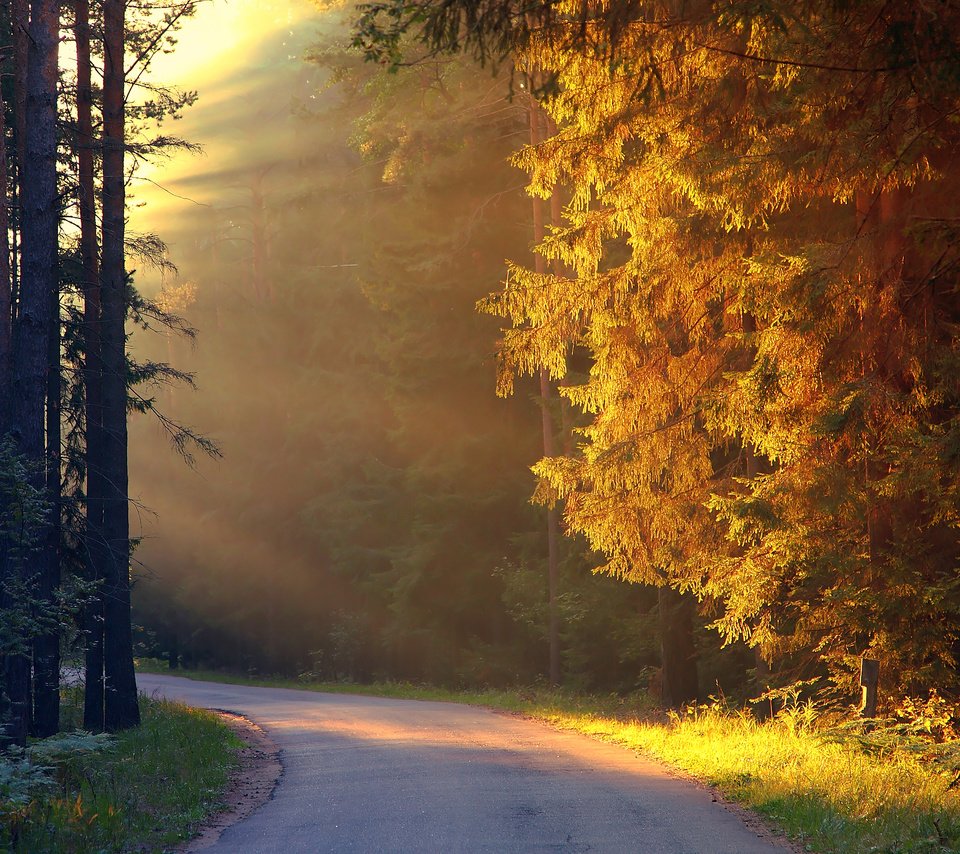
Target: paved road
[[366, 774]]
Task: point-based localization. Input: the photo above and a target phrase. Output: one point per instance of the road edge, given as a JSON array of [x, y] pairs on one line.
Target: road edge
[[252, 783], [765, 827]]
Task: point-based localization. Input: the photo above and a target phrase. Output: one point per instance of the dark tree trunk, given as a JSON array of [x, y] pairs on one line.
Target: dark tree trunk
[[6, 284], [559, 269], [20, 14], [16, 676], [6, 346], [39, 215], [761, 669], [553, 540], [92, 376], [120, 708], [678, 652], [20, 22], [46, 646]]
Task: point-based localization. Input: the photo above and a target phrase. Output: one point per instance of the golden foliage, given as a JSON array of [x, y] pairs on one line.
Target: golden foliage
[[759, 229]]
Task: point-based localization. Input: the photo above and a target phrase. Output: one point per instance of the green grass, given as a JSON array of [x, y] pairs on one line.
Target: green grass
[[146, 791], [826, 790], [530, 701], [835, 790]]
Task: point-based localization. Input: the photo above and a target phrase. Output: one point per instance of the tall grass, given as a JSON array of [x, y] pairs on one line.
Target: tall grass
[[836, 791]]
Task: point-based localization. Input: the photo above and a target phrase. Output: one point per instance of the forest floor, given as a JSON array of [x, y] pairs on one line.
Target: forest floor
[[147, 789], [833, 787]]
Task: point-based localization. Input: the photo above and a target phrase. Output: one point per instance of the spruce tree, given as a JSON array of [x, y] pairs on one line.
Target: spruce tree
[[761, 245]]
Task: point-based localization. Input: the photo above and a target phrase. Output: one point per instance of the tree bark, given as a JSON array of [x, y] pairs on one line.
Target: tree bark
[[46, 646], [120, 707], [7, 300], [39, 283], [678, 652], [556, 220], [761, 668], [6, 377], [6, 284], [20, 14], [19, 24], [92, 377]]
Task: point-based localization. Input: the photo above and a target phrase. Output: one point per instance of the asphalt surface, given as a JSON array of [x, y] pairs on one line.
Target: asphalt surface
[[366, 774]]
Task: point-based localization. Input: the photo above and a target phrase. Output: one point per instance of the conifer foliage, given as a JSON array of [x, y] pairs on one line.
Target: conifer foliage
[[746, 299], [398, 540], [761, 235]]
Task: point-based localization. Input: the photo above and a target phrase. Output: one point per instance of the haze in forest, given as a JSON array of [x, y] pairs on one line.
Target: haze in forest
[[723, 374], [237, 55], [370, 514]]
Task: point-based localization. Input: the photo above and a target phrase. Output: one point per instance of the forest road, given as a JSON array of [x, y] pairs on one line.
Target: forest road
[[367, 774]]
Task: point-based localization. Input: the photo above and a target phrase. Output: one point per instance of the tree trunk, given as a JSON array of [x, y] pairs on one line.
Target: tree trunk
[[92, 377], [6, 346], [19, 22], [20, 14], [553, 544], [553, 517], [6, 284], [39, 283], [120, 707], [46, 646], [678, 652], [560, 270], [761, 668]]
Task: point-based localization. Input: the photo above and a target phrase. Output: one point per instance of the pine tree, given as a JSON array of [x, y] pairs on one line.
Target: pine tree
[[537, 122], [92, 538], [120, 707], [39, 217]]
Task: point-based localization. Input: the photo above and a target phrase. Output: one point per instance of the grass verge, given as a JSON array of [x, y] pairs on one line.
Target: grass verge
[[146, 790], [833, 791], [836, 790]]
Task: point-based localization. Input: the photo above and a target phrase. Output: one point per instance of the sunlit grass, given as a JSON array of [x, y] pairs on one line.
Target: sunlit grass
[[826, 788], [832, 796], [146, 792]]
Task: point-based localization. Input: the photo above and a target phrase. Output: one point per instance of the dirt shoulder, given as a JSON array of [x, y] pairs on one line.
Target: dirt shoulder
[[251, 785]]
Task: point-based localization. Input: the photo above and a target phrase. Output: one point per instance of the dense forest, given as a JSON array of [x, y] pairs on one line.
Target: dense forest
[[610, 345], [737, 324], [335, 286]]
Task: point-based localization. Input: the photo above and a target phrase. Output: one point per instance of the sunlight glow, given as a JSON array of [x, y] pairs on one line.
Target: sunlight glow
[[226, 50], [221, 37]]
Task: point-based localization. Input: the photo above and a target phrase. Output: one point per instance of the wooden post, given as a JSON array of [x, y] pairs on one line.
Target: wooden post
[[869, 677]]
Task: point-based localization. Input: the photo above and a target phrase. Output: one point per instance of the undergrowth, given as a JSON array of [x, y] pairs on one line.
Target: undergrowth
[[145, 789]]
